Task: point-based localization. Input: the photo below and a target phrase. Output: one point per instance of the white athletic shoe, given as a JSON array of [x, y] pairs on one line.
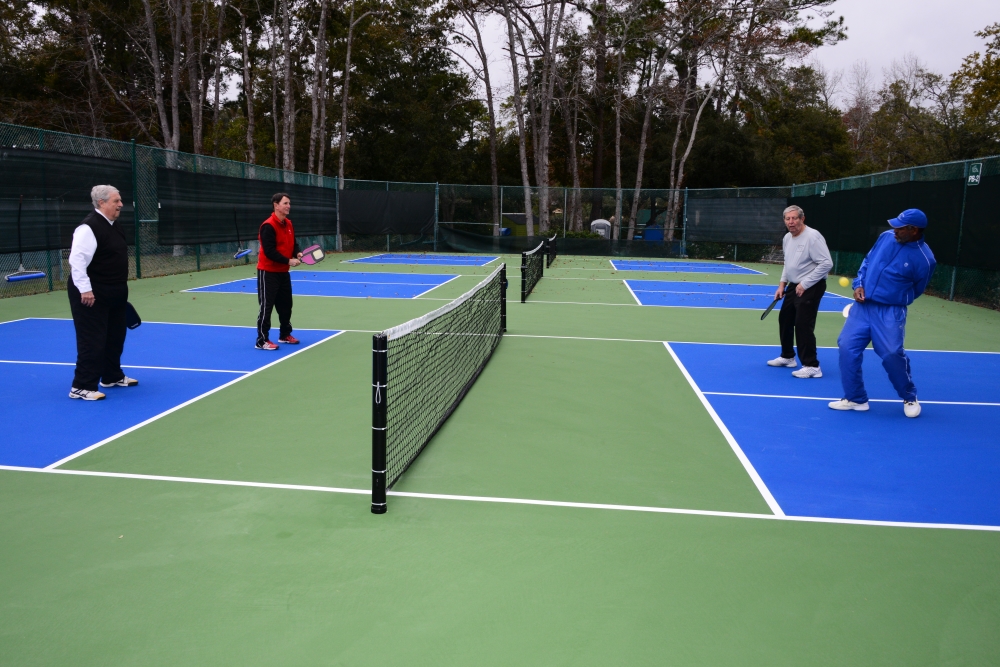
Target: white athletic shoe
[[808, 372], [911, 408], [785, 363], [844, 404], [85, 394], [126, 381]]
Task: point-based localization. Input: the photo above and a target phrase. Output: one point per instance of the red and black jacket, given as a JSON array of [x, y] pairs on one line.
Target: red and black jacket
[[277, 244]]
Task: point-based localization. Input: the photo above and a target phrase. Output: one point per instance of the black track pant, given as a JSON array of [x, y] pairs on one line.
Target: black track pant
[[797, 322], [100, 334], [274, 291]]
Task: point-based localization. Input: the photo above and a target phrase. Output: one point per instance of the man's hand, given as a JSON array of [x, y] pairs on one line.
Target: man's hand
[[87, 298], [800, 290], [780, 292], [294, 262], [859, 294]]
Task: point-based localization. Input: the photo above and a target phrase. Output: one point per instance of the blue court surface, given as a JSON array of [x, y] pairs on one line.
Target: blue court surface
[[941, 467], [717, 295], [430, 260], [346, 284], [174, 363], [669, 266]]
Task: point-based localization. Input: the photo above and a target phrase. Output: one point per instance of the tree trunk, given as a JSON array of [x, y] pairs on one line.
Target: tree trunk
[[274, 87], [192, 56], [643, 141], [154, 56], [346, 93], [288, 163], [600, 65], [176, 35], [248, 91], [218, 75], [519, 113], [319, 82]]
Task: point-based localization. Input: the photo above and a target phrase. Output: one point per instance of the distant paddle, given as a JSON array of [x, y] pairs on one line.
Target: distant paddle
[[312, 255], [241, 252], [770, 308]]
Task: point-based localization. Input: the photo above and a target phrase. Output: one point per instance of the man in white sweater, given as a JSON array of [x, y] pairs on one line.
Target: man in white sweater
[[803, 283]]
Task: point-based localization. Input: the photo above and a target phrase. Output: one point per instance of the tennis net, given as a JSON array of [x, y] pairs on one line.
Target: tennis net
[[532, 267], [550, 250], [422, 369]]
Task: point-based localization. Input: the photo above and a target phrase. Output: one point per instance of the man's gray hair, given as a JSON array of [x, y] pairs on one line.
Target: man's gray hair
[[100, 193], [797, 209]]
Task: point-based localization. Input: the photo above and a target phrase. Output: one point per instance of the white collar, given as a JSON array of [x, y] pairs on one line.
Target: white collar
[[110, 221]]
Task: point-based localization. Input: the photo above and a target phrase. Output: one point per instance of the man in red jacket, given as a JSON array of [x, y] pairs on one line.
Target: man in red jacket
[[278, 252]]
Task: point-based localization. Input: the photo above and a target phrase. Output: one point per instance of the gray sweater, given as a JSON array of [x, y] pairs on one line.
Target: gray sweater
[[807, 259]]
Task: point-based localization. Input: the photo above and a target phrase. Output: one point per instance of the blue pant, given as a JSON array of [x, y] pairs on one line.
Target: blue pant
[[884, 327]]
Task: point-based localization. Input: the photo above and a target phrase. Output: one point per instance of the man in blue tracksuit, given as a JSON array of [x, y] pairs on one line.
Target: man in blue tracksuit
[[894, 273]]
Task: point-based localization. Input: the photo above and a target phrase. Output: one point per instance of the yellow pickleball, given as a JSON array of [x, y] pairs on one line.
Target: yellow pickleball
[[844, 282]]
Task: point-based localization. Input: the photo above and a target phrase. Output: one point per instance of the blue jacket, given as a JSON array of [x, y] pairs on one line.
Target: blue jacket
[[895, 273]]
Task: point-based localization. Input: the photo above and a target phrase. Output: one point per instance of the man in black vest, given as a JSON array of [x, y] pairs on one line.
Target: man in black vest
[[98, 292]]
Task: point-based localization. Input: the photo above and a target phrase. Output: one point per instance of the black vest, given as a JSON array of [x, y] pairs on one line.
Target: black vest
[[110, 263]]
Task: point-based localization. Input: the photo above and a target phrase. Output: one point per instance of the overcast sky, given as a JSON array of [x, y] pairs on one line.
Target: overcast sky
[[940, 33]]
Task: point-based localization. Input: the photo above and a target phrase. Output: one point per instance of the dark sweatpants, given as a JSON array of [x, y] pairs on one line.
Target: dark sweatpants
[[274, 291], [797, 322], [100, 334]]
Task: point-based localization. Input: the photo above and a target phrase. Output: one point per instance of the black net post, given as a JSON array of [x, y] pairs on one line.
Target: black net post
[[524, 282], [503, 298], [380, 344]]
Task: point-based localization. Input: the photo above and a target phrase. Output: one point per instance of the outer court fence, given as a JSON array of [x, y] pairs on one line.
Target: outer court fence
[[187, 212]]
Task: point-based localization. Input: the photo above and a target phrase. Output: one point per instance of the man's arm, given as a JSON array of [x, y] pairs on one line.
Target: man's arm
[[269, 245], [925, 272], [81, 254]]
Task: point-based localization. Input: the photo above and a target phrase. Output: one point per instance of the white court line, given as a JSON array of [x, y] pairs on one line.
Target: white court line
[[20, 319], [578, 303], [351, 261], [764, 491], [151, 368], [434, 287], [820, 398], [616, 340], [184, 404], [185, 324], [632, 292], [768, 295], [819, 347], [747, 268], [510, 501]]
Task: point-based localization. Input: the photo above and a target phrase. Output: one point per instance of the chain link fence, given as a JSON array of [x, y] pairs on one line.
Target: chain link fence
[[45, 178]]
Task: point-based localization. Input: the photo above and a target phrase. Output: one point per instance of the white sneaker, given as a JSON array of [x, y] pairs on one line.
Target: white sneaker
[[844, 404], [85, 394], [808, 372], [126, 381], [781, 361], [911, 408]]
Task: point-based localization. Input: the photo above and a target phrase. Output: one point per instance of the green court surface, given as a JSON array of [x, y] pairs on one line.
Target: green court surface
[[237, 530]]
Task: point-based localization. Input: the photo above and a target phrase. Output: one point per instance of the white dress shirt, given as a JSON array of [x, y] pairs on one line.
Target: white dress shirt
[[81, 254]]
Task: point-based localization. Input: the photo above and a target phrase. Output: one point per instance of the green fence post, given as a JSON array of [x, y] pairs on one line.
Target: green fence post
[[135, 215], [437, 201], [684, 223], [961, 223]]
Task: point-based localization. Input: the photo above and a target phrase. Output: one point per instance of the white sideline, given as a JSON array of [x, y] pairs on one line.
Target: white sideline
[[184, 404], [510, 501], [764, 491]]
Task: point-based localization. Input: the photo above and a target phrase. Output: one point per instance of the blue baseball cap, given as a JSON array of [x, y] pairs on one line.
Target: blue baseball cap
[[911, 216]]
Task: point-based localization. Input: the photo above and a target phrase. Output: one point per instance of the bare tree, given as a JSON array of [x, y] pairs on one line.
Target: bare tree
[[318, 87], [248, 89], [545, 27], [470, 13], [171, 130], [288, 135], [519, 114], [346, 90], [218, 75]]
